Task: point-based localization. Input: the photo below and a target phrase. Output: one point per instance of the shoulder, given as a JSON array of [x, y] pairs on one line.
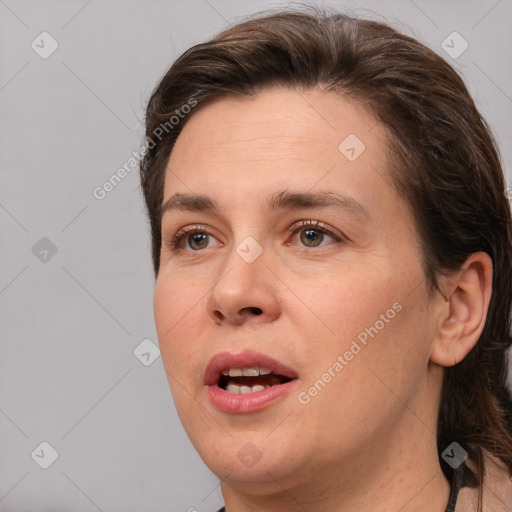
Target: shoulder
[[497, 492]]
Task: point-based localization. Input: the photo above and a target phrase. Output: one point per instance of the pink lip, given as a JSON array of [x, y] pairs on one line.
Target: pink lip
[[250, 402]]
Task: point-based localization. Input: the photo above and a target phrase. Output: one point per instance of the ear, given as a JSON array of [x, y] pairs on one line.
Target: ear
[[461, 317]]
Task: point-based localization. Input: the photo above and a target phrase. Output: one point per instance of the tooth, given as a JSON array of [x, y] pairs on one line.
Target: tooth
[[225, 372], [265, 371], [235, 372], [244, 390], [253, 371], [233, 388]]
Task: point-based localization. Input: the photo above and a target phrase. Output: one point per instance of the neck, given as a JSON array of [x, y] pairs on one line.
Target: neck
[[425, 490]]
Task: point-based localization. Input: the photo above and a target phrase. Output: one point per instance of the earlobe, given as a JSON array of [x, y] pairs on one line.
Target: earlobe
[[462, 310]]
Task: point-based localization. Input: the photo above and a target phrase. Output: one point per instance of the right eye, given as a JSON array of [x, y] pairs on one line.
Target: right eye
[[194, 238]]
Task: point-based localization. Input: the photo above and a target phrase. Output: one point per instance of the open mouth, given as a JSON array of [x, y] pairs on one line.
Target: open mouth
[[249, 380]]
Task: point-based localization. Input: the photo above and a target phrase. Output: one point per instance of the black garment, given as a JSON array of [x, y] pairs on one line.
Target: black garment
[[457, 484], [454, 492]]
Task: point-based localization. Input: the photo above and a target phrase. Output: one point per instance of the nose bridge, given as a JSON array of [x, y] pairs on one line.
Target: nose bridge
[[244, 269], [244, 289]]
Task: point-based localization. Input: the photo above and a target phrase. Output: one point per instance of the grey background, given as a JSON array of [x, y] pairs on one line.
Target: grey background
[[71, 322]]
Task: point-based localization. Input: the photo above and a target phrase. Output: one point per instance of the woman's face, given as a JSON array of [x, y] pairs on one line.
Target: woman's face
[[299, 258]]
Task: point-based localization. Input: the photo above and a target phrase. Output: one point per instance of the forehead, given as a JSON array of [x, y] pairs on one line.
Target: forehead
[[281, 121], [279, 139]]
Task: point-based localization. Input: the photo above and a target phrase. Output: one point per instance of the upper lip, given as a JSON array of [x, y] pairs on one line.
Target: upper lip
[[225, 360]]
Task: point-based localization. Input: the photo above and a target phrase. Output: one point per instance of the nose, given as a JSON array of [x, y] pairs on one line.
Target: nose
[[244, 292]]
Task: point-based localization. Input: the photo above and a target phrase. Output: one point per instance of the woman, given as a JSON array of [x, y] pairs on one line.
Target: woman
[[332, 251]]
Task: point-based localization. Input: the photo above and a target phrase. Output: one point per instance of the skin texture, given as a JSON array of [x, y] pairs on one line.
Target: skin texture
[[368, 436]]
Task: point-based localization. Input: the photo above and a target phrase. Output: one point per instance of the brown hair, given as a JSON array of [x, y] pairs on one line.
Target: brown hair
[[442, 160]]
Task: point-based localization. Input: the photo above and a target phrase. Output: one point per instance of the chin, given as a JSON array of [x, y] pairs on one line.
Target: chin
[[248, 458]]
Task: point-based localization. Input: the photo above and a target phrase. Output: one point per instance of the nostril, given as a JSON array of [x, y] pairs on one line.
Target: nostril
[[218, 315], [256, 311]]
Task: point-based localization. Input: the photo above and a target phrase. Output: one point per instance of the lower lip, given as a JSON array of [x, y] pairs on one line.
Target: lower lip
[[250, 402]]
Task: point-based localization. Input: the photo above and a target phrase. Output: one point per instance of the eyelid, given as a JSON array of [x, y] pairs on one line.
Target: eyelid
[[337, 235], [174, 241], [191, 228]]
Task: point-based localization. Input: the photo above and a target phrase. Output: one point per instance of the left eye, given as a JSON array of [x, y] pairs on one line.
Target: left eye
[[313, 233]]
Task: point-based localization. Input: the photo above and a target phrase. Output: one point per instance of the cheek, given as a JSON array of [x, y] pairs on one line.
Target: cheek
[[176, 309], [356, 375], [371, 319], [348, 302]]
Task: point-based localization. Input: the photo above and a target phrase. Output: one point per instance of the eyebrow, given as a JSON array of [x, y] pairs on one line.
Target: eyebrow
[[284, 200]]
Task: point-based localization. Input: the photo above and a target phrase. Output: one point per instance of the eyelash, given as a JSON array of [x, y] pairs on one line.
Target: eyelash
[[319, 226], [198, 228], [298, 226]]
